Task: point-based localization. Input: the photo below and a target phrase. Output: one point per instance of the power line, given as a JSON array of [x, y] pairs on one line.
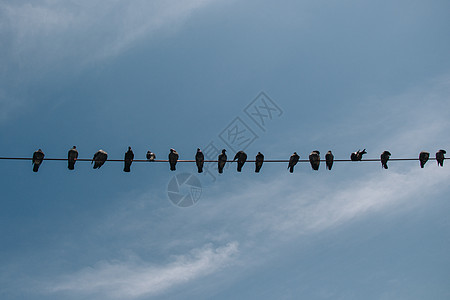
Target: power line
[[206, 161]]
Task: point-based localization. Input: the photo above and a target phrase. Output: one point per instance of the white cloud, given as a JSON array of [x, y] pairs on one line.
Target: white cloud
[[45, 32], [135, 278]]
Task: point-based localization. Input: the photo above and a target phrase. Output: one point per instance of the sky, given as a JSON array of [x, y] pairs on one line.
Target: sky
[[155, 75]]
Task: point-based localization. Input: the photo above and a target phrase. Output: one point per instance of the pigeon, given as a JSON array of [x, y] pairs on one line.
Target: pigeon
[[99, 157], [357, 156], [314, 159], [440, 157], [173, 157], [199, 160], [222, 160], [423, 158], [241, 157], [129, 156], [329, 158], [150, 156], [38, 157], [259, 162], [72, 157], [293, 160], [384, 159]]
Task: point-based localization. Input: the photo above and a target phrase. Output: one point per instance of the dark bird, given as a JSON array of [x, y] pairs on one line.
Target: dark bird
[[314, 159], [384, 159], [357, 156], [423, 158], [293, 160], [99, 158], [259, 162], [241, 157], [329, 159], [222, 160], [150, 156], [199, 160], [440, 156], [72, 157], [38, 157], [173, 157], [129, 156]]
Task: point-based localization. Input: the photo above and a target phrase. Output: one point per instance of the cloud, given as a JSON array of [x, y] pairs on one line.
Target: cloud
[[45, 32], [135, 278]]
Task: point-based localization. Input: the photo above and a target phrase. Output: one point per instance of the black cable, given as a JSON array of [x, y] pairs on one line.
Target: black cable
[[189, 160]]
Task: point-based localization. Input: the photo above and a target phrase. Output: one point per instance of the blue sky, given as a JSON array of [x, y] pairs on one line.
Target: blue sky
[[159, 75]]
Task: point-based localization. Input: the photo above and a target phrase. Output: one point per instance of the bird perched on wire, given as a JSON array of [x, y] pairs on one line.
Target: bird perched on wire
[[150, 156], [423, 158], [293, 160], [329, 159], [173, 158], [384, 159], [222, 160], [259, 161], [38, 157], [128, 160], [357, 156], [199, 160], [314, 160], [440, 156], [72, 156], [99, 158], [241, 157]]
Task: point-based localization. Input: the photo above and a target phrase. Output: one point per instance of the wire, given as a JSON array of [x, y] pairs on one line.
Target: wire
[[206, 161]]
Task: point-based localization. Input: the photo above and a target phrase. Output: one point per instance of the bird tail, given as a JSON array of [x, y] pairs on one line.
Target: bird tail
[[291, 169], [36, 167], [71, 165]]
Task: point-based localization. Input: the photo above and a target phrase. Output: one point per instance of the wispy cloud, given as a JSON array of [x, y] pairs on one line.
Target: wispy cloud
[[135, 278], [43, 32]]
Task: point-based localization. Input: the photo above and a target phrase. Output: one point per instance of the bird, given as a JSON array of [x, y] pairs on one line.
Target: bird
[[440, 156], [329, 159], [128, 160], [357, 156], [241, 157], [314, 159], [38, 157], [199, 160], [72, 157], [150, 156], [99, 157], [384, 159], [222, 160], [259, 162], [423, 158], [293, 160], [173, 157]]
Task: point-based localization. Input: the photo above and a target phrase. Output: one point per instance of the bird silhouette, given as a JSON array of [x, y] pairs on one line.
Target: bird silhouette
[[357, 156], [314, 160], [199, 160], [173, 158], [222, 160], [38, 157], [259, 162], [129, 156], [150, 156], [293, 160], [241, 157], [329, 159], [99, 158], [384, 159], [72, 156], [440, 156], [423, 158]]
